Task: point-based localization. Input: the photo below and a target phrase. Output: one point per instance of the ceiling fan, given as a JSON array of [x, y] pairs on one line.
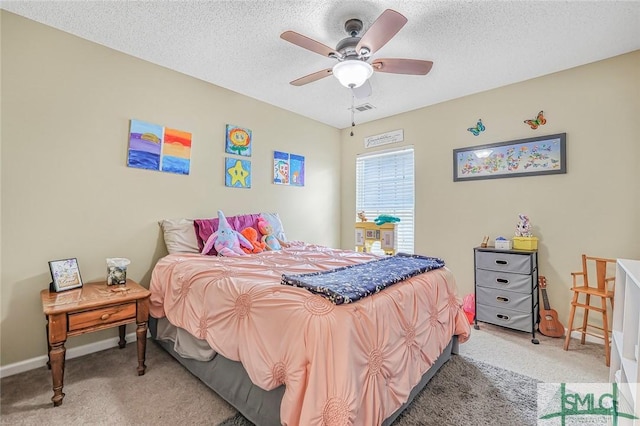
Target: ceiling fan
[[354, 54]]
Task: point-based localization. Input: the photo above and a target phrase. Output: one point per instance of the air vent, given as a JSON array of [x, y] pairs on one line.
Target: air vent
[[362, 108]]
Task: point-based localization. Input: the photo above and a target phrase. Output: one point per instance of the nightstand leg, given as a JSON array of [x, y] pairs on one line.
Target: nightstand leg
[[48, 347], [123, 342], [141, 337], [57, 355]]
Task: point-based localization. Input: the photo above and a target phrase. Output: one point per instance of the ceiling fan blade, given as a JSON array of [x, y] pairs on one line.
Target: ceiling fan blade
[[402, 66], [312, 77], [363, 91], [381, 31], [307, 43]]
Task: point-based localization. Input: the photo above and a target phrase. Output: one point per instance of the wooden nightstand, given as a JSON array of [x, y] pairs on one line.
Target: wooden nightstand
[[95, 306]]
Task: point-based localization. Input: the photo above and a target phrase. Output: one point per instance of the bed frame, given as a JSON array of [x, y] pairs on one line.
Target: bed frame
[[231, 382]]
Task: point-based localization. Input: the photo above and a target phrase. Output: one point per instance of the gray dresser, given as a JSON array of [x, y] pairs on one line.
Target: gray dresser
[[506, 288]]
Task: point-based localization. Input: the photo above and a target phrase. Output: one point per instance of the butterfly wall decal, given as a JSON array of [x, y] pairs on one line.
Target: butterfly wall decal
[[476, 130], [538, 121]]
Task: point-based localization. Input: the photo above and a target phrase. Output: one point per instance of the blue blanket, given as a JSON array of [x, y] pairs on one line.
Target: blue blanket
[[351, 283]]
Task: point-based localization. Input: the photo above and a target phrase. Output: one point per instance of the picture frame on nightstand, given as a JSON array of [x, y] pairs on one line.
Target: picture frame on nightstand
[[65, 275]]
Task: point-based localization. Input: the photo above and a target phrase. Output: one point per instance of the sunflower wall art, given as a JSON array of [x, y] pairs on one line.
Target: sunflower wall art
[[238, 141]]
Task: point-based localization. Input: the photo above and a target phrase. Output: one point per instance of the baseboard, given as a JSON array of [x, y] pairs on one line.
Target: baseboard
[[37, 362]]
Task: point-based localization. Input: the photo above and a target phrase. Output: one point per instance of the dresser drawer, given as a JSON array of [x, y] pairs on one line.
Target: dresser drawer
[[504, 317], [504, 280], [520, 302], [504, 262], [108, 315]]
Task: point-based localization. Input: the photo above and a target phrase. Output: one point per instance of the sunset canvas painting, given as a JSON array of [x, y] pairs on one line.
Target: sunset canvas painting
[[176, 151], [145, 145], [154, 147]]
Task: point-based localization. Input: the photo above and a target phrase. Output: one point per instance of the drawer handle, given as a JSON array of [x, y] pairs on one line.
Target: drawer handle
[[502, 299], [502, 281], [503, 317], [105, 316], [502, 262]]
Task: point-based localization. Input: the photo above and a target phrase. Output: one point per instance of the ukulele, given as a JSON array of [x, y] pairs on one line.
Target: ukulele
[[549, 323]]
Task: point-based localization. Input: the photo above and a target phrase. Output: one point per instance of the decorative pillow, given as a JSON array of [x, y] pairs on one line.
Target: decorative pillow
[[203, 228], [179, 235], [276, 225], [247, 221]]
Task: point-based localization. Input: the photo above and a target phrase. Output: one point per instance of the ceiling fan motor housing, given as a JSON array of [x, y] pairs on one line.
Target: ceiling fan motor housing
[[347, 47], [353, 27]]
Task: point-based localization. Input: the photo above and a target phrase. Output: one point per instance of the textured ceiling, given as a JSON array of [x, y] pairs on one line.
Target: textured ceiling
[[475, 45]]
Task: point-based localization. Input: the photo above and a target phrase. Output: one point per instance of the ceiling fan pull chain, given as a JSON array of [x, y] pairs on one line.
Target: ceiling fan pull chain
[[353, 109]]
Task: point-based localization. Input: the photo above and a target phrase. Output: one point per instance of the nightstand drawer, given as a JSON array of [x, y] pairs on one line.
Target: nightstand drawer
[[506, 262], [504, 280], [521, 302], [108, 315]]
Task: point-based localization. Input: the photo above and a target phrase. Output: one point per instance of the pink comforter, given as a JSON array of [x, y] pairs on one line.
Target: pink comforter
[[346, 364]]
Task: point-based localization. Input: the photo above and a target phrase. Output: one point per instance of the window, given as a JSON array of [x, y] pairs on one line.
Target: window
[[385, 185]]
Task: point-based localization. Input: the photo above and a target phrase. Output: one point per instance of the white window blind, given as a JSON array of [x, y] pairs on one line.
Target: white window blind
[[385, 185]]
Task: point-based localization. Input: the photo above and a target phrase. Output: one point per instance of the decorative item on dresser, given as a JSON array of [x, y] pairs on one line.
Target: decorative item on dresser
[[626, 335], [506, 288], [93, 307], [485, 241]]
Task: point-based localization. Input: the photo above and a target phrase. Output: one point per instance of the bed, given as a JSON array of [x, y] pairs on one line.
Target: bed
[[281, 354]]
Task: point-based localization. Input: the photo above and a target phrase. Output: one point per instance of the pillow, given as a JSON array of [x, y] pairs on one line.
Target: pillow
[[179, 236], [203, 228], [276, 225], [247, 221]]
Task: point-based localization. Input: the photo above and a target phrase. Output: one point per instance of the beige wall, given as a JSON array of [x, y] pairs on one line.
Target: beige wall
[[66, 190], [594, 208]]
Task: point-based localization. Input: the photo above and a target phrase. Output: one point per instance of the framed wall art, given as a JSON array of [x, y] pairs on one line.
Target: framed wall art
[[541, 155], [65, 275]]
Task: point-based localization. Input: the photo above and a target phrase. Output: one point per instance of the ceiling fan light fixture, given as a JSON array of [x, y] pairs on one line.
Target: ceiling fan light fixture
[[352, 73]]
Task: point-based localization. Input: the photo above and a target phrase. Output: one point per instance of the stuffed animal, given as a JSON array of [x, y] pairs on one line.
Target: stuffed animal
[[523, 228], [226, 240], [385, 218], [252, 236], [270, 240]]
